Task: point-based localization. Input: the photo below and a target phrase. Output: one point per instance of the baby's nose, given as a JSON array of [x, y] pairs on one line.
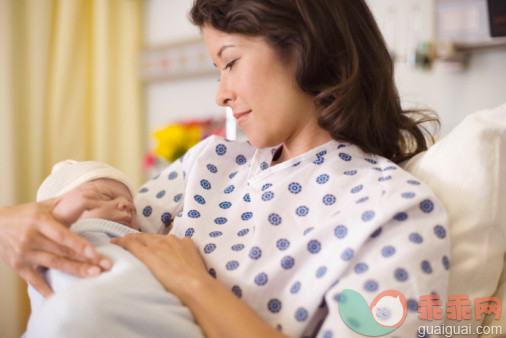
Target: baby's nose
[[126, 205]]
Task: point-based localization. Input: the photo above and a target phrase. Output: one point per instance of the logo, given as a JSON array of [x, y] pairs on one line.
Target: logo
[[385, 314]]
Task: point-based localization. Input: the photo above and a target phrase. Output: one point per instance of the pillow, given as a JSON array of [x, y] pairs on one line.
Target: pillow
[[501, 294], [467, 171]]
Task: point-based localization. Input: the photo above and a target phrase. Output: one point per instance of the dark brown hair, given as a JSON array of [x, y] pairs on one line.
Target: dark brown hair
[[342, 61]]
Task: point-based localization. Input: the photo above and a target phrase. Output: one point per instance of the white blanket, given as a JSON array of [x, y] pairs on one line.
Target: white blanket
[[127, 301]]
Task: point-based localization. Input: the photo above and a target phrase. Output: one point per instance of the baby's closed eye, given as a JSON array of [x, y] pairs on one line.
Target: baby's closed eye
[[107, 196]]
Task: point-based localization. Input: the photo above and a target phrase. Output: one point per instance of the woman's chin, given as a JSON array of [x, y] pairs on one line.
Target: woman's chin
[[260, 141]]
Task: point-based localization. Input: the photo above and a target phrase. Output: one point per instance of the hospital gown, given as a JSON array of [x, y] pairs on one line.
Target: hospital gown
[[288, 239]]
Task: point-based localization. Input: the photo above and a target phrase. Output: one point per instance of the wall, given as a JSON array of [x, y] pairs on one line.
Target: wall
[[166, 101], [452, 95]]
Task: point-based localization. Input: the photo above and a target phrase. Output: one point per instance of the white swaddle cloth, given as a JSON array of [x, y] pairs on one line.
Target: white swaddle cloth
[[127, 301]]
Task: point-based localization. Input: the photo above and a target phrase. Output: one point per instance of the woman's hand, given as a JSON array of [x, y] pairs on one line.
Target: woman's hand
[[175, 262], [33, 238]]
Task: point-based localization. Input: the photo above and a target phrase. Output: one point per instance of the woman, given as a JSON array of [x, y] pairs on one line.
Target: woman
[[314, 204]]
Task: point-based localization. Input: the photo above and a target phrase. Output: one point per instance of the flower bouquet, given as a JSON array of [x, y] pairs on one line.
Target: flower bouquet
[[174, 140]]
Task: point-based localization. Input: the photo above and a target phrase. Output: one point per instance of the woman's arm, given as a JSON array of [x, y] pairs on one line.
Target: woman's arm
[[177, 264], [33, 237]]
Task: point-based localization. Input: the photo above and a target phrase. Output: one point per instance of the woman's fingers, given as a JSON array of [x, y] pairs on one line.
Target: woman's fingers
[[60, 240], [40, 242], [141, 238], [157, 253], [174, 262], [147, 247], [78, 247], [135, 243], [138, 246], [70, 245], [35, 279], [153, 242], [52, 261], [70, 253], [49, 254], [31, 238], [51, 228]]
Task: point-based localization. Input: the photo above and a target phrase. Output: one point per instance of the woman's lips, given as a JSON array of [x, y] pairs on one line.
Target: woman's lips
[[240, 117]]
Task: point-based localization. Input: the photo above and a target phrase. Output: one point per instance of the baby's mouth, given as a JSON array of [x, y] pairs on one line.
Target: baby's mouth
[[127, 220]]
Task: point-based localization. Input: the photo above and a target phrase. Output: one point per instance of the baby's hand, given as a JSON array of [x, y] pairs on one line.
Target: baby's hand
[[72, 204]]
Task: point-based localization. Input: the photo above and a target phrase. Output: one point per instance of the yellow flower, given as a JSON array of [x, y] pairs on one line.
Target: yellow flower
[[175, 140]]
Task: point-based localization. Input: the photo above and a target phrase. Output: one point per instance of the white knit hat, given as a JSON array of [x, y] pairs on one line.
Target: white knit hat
[[69, 174]]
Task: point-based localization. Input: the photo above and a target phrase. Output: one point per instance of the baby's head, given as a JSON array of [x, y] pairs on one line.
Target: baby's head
[[73, 178]]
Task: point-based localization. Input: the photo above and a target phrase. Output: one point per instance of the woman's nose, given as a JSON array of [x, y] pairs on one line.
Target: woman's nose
[[224, 95]]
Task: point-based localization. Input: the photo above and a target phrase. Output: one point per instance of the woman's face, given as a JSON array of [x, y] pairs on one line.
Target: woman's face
[[261, 89]]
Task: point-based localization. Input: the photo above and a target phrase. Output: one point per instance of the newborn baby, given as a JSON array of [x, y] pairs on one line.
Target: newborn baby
[[126, 301], [80, 183]]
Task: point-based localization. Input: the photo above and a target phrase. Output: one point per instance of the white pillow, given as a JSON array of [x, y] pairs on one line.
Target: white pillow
[[467, 171]]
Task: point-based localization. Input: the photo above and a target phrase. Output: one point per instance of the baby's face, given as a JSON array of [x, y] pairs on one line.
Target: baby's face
[[116, 205]]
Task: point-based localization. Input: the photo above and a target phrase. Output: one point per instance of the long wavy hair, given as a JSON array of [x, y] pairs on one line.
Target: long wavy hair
[[341, 60]]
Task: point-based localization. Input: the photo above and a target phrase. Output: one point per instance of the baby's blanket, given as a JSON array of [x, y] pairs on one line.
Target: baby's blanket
[[126, 301]]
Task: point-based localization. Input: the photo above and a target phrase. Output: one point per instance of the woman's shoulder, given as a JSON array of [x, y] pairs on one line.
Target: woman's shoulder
[[374, 190], [383, 178]]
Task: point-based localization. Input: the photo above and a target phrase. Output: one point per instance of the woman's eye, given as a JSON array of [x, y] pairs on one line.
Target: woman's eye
[[230, 65]]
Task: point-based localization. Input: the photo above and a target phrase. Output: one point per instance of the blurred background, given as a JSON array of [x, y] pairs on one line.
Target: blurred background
[[129, 83]]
